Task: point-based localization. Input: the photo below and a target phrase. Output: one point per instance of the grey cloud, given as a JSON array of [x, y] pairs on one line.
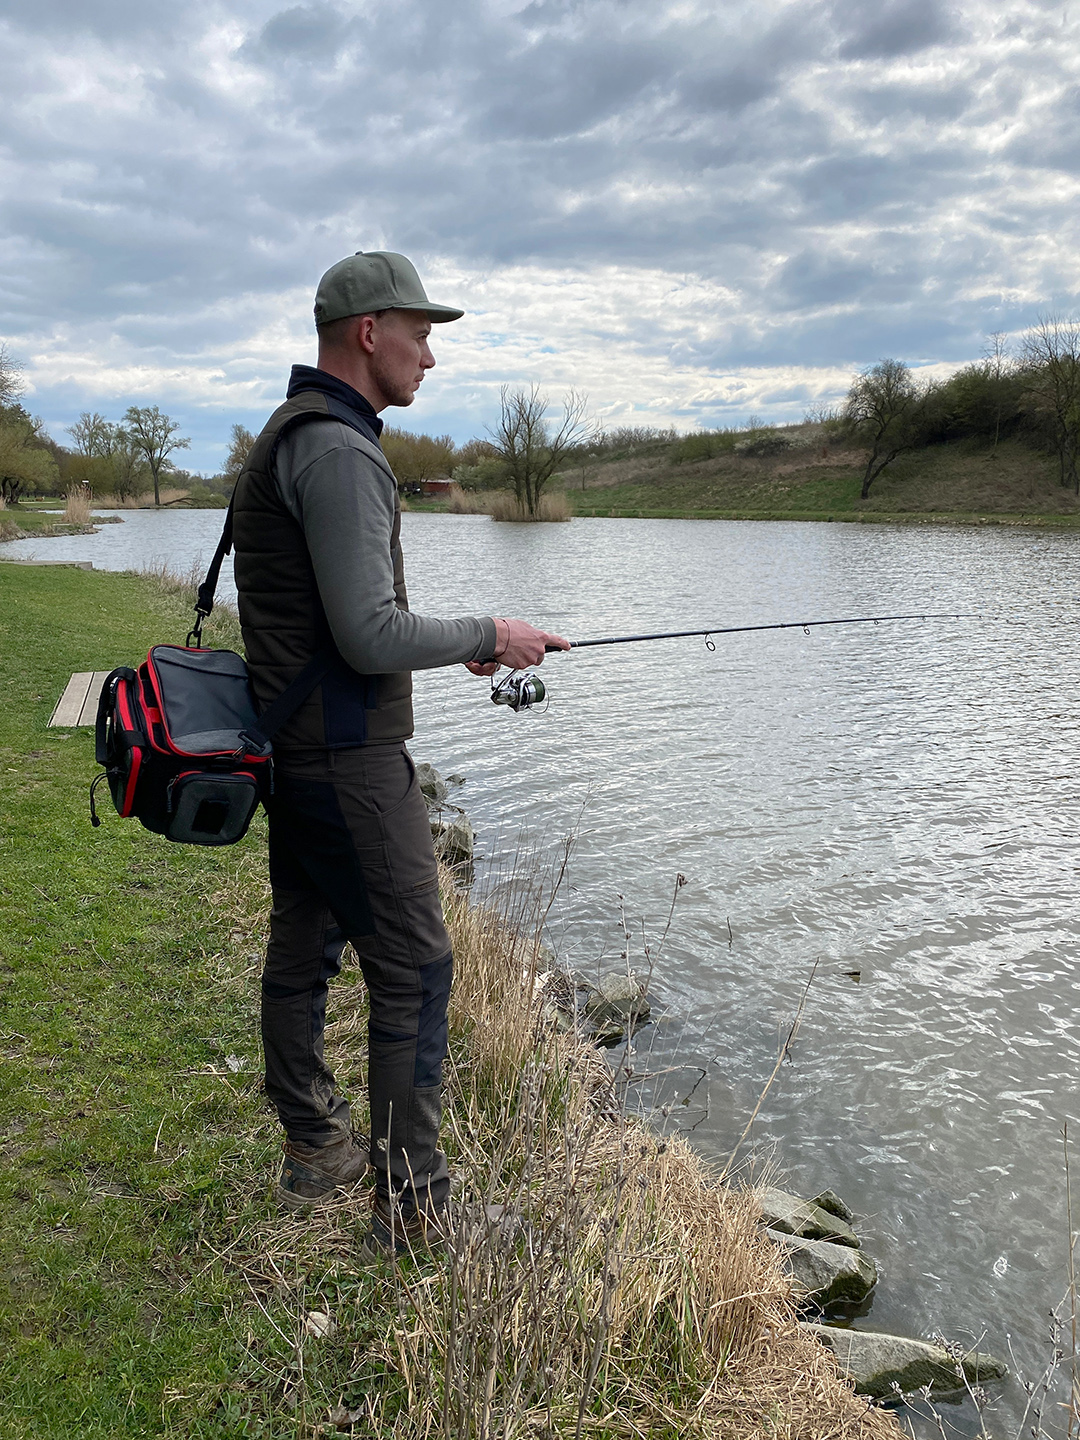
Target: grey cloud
[[895, 27], [306, 32]]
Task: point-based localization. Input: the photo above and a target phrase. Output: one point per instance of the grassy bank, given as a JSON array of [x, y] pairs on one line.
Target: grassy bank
[[23, 524], [148, 1284], [812, 479], [958, 484]]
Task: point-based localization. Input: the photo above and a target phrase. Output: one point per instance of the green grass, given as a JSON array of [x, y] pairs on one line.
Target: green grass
[[15, 524], [130, 1153]]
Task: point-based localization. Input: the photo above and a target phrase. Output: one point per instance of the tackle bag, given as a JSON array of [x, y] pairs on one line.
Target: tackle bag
[[185, 751]]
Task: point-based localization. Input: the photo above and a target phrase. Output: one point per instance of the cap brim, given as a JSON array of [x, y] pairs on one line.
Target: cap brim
[[437, 314]]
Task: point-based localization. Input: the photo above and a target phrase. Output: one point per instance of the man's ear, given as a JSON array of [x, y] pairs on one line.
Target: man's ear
[[364, 334]]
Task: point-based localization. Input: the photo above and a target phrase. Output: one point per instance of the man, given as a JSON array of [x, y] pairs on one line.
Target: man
[[319, 572]]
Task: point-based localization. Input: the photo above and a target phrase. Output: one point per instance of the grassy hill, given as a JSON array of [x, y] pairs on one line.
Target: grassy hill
[[816, 480]]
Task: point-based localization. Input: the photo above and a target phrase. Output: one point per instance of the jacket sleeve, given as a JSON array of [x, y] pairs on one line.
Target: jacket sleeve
[[344, 501]]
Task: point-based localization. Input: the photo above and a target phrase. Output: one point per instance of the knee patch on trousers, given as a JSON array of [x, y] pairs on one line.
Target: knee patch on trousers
[[431, 1031]]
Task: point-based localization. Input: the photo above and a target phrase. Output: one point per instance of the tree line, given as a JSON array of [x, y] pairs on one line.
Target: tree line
[[1031, 393]]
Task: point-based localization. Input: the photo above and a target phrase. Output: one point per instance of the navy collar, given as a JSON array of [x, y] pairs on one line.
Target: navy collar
[[306, 377]]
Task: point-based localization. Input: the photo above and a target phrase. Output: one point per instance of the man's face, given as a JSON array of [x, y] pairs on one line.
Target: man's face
[[401, 354]]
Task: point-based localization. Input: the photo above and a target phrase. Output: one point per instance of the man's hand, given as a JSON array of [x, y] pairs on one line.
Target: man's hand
[[518, 645]]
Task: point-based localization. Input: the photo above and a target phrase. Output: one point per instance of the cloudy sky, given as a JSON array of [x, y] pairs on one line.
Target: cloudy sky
[[693, 211]]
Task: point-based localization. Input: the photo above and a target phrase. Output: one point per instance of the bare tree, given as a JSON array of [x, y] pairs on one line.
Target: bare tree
[[239, 450], [998, 364], [108, 459], [530, 450], [1051, 364], [93, 435], [12, 384], [156, 436], [883, 410]]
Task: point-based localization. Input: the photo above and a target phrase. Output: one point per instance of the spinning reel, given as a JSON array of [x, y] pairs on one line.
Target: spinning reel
[[521, 690]]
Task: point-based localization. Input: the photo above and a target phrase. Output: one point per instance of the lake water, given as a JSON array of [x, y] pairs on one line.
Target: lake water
[[897, 800]]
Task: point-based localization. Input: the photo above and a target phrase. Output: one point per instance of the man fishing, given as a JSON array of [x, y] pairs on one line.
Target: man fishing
[[319, 571]]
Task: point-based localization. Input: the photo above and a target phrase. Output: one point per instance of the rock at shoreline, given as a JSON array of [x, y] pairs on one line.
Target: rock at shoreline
[[432, 786], [455, 841], [829, 1200], [805, 1218], [436, 790], [617, 996], [615, 1002], [826, 1274], [880, 1363]]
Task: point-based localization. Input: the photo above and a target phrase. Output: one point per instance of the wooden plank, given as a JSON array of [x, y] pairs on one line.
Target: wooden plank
[[70, 705], [88, 715]]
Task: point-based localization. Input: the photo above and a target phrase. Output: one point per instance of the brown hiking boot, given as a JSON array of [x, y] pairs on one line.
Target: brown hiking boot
[[313, 1174], [393, 1235]]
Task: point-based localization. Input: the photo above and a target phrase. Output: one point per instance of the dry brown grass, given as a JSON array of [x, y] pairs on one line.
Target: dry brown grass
[[77, 509], [504, 505], [116, 502], [466, 502], [599, 1279]]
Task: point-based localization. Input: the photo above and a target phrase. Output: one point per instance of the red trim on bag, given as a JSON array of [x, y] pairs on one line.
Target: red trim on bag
[[123, 706], [131, 782]]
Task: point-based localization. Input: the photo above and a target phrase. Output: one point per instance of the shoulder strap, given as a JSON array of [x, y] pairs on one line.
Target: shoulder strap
[[204, 602], [258, 736]]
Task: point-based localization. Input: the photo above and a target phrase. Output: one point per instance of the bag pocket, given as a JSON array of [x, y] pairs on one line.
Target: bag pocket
[[209, 809]]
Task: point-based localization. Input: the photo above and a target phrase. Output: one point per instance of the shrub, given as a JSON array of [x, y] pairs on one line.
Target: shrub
[[488, 473], [759, 445], [703, 445], [204, 498]]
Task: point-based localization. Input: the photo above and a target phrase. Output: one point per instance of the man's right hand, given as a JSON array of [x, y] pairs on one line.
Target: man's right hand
[[519, 644]]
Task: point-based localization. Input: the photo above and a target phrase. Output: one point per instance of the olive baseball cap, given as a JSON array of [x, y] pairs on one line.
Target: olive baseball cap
[[375, 280]]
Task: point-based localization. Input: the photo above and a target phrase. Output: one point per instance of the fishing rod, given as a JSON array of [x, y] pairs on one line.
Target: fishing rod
[[523, 689], [743, 629]]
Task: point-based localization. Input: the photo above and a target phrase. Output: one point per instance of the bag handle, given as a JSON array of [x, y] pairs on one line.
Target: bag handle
[[101, 723]]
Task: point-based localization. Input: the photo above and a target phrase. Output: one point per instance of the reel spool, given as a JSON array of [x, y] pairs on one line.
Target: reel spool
[[521, 690]]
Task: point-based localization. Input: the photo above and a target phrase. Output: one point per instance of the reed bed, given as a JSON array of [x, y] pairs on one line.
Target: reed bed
[[77, 509], [503, 505], [598, 1280], [466, 502]]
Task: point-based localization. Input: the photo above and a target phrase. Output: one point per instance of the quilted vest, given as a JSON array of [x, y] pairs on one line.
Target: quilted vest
[[282, 616]]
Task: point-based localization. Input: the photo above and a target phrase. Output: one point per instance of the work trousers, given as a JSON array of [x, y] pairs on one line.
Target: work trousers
[[351, 859]]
